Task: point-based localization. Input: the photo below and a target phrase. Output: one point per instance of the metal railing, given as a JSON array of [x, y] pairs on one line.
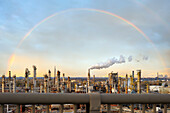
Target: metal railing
[[93, 101]]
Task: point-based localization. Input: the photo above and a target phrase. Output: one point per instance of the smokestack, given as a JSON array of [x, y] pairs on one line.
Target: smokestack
[[110, 76], [88, 80], [41, 87], [54, 76], [49, 77], [157, 78], [139, 81], [107, 86], [49, 80], [3, 83], [94, 79], [119, 83], [32, 88], [14, 84], [63, 78], [45, 84], [132, 80], [147, 88], [9, 82], [69, 85], [133, 76], [58, 81], [75, 87], [34, 78], [27, 73], [126, 88]]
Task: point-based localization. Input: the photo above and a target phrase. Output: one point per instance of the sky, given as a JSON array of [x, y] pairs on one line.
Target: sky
[[75, 35]]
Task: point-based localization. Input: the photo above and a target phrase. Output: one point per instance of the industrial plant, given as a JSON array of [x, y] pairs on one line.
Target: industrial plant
[[59, 83]]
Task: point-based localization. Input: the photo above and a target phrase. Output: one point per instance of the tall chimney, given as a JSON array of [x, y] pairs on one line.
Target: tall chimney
[[54, 76], [9, 82], [88, 80], [14, 84], [34, 78], [58, 81], [119, 82], [3, 83], [41, 87], [139, 81], [126, 88], [133, 76], [49, 80], [69, 85], [27, 73], [45, 84], [32, 88], [63, 78], [147, 88], [94, 79], [112, 83], [157, 78]]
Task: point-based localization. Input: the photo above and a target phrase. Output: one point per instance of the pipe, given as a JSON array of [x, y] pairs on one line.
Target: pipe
[[75, 98]]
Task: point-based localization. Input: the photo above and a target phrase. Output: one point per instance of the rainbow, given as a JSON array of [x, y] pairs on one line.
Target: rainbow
[[12, 57]]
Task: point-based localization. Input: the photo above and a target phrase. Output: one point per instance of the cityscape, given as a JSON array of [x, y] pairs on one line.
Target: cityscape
[[85, 56]]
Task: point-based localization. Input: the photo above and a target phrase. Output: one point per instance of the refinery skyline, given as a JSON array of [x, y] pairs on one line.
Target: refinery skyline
[[77, 35]]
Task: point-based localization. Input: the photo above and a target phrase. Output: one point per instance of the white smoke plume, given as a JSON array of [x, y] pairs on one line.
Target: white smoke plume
[[109, 63], [145, 57], [130, 58]]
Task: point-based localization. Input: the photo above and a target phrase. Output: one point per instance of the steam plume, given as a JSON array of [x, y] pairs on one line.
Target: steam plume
[[109, 63], [145, 57], [130, 58]]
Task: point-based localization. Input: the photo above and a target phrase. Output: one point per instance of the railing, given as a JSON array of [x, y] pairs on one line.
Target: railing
[[93, 101]]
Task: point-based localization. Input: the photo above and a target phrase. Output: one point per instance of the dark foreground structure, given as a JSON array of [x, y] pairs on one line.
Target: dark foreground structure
[[93, 101]]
